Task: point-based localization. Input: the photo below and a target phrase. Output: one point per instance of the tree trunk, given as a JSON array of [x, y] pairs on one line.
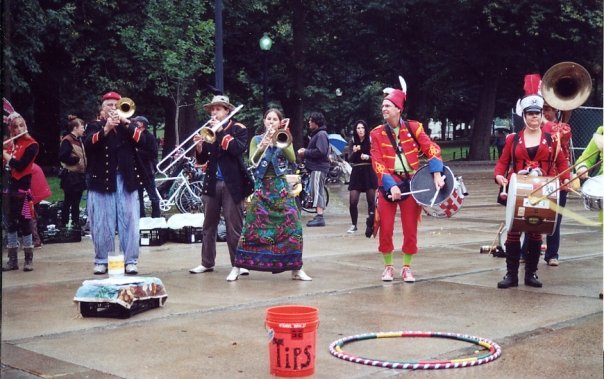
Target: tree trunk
[[169, 141], [481, 132]]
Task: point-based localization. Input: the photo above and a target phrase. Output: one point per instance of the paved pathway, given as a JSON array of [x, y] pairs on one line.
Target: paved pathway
[[214, 329]]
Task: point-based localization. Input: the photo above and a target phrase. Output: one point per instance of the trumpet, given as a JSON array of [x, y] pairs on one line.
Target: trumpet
[[125, 107], [180, 149], [281, 139]]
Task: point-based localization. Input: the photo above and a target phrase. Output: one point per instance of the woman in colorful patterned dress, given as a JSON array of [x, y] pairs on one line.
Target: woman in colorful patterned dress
[[271, 239]]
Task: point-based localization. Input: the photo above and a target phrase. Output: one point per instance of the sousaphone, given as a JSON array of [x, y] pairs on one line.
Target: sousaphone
[[566, 86]]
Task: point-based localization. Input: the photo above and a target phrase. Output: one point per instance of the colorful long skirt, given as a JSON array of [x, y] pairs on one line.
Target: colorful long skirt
[[271, 239]]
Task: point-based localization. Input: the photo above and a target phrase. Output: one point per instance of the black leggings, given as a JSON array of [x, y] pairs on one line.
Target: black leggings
[[71, 205], [354, 202]]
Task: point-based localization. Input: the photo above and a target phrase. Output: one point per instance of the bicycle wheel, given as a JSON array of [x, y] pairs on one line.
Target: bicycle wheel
[[305, 201], [190, 201]]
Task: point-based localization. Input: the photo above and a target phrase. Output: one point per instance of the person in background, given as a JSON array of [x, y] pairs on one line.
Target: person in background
[[40, 190], [18, 158], [316, 161], [271, 239], [148, 155], [532, 152], [561, 133], [362, 177], [115, 177], [226, 184], [73, 178], [395, 148], [589, 158], [499, 142]]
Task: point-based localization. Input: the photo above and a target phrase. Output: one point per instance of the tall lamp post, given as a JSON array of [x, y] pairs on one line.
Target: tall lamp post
[[339, 94], [265, 45]]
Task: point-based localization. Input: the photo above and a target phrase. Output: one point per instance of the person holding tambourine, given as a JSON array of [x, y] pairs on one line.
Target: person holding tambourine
[[532, 152], [395, 148]]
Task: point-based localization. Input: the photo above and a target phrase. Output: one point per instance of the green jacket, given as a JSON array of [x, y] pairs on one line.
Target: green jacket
[[588, 159]]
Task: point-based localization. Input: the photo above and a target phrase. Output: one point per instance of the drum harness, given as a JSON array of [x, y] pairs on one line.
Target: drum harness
[[398, 151]]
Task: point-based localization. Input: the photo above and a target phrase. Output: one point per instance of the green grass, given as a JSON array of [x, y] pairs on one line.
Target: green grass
[[55, 187], [461, 152]]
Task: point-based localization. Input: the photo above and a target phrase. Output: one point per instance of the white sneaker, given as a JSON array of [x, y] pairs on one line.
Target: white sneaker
[[233, 275], [244, 271], [352, 229], [131, 269], [100, 269], [388, 274], [199, 269], [300, 275]]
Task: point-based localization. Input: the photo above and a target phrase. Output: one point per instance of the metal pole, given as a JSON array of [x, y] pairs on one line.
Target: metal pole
[[218, 58], [264, 81]]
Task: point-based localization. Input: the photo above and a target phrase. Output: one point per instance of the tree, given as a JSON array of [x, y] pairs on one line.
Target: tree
[[173, 51]]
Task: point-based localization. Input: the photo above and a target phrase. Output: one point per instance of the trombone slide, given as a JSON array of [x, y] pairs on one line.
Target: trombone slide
[[180, 148]]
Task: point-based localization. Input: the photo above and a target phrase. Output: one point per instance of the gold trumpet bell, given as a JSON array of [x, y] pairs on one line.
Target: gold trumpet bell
[[566, 86], [125, 107]]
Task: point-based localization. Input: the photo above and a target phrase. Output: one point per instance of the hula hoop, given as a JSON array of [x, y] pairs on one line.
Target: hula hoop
[[494, 351]]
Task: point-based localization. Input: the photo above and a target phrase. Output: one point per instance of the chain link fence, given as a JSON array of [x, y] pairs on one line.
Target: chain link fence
[[584, 122]]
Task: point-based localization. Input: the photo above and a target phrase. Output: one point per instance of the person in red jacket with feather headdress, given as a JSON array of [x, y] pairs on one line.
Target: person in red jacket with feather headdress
[[392, 168], [18, 155]]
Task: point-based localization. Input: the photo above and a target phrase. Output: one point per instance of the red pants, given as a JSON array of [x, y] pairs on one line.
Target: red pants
[[410, 216]]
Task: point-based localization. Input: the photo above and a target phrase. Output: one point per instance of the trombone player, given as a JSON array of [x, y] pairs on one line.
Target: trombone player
[[227, 182], [114, 174]]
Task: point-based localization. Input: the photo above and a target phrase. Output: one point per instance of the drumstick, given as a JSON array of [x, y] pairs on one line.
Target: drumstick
[[411, 192], [436, 194]]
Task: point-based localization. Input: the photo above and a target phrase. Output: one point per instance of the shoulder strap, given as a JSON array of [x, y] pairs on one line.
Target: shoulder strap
[[513, 160], [412, 132], [396, 147]]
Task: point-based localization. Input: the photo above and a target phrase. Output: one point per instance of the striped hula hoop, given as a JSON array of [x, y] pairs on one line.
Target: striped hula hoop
[[494, 351]]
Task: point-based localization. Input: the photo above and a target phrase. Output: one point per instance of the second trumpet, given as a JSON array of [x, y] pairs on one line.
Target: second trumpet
[[281, 139]]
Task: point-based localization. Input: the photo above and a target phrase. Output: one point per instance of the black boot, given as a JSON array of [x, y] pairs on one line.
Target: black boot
[[11, 264], [369, 227], [512, 262], [29, 259], [532, 261]]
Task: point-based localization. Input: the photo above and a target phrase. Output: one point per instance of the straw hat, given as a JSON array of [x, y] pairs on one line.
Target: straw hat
[[219, 100]]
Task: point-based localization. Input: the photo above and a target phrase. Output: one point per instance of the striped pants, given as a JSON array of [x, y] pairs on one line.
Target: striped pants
[[108, 210]]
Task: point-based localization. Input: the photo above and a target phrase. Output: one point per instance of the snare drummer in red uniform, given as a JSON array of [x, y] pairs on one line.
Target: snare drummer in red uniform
[[533, 153], [391, 169]]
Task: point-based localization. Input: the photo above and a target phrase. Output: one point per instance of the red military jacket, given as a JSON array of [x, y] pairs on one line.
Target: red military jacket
[[19, 146], [544, 158], [383, 155]]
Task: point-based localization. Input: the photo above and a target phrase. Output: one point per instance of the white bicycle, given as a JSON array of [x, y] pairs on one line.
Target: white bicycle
[[183, 190]]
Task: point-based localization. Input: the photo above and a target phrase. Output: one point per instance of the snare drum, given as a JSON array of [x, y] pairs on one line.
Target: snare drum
[[452, 204], [593, 193], [521, 215], [449, 199]]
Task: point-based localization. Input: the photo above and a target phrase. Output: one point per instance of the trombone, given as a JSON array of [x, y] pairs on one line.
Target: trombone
[[532, 195], [209, 133], [183, 152], [281, 139]]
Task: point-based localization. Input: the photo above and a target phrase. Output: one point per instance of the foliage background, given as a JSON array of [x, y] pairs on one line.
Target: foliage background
[[463, 60]]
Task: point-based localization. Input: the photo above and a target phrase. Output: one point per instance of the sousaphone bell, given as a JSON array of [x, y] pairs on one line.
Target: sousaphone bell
[[566, 86]]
